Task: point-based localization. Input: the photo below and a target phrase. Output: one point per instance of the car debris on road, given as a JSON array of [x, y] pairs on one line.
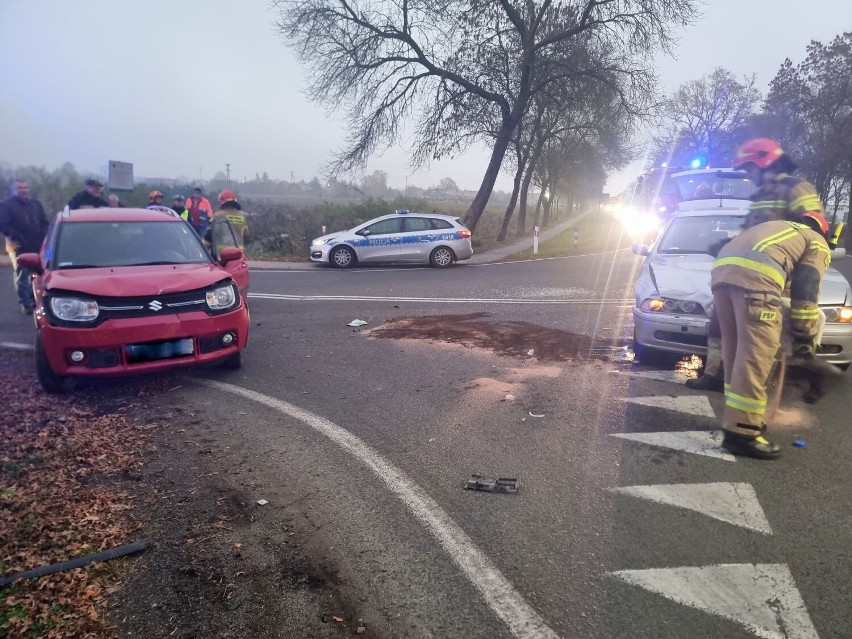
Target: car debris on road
[[499, 485]]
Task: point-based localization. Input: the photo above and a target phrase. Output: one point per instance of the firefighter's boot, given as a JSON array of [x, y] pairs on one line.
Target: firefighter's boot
[[713, 378], [758, 447]]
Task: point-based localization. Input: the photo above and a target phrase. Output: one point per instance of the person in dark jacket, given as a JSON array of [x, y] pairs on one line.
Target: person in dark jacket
[[23, 222], [90, 197]]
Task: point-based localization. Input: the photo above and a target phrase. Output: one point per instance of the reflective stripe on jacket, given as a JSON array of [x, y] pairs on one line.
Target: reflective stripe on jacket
[[782, 197], [772, 255]]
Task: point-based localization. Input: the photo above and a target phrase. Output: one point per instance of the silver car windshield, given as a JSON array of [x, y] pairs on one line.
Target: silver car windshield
[[696, 235], [131, 243]]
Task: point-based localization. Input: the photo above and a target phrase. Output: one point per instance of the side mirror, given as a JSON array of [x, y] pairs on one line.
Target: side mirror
[[230, 254], [836, 254], [31, 261], [641, 249]]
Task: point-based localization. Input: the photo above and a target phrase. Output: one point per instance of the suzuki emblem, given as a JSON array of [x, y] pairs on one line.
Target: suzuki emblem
[[155, 305]]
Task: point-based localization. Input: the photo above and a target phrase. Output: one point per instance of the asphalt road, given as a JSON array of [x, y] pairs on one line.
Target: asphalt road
[[365, 444]]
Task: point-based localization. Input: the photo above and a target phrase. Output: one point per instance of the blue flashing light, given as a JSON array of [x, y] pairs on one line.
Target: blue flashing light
[[664, 165], [696, 163]]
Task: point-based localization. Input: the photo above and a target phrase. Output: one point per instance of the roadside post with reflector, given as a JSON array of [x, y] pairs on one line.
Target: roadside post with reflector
[[535, 240], [576, 237]]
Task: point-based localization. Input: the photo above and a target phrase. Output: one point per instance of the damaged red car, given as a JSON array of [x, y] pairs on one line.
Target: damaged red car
[[134, 291]]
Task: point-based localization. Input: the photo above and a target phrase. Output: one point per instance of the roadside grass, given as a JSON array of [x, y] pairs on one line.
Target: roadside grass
[[595, 234]]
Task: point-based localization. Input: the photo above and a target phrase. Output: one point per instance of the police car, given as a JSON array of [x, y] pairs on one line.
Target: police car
[[415, 238]]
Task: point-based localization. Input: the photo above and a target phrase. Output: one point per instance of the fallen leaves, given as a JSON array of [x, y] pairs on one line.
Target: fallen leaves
[[59, 462]]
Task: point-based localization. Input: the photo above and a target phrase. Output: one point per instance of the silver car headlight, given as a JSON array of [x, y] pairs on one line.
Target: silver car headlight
[[221, 297], [72, 309], [838, 314], [319, 242], [668, 305]]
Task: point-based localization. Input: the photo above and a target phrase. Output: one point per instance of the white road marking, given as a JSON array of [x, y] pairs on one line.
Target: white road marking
[[499, 594], [697, 442], [761, 597], [689, 404], [16, 346], [676, 377], [734, 503], [625, 303]]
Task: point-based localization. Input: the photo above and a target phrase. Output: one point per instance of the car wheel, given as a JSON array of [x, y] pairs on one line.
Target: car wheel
[[341, 257], [442, 257], [50, 381], [645, 354], [233, 361]]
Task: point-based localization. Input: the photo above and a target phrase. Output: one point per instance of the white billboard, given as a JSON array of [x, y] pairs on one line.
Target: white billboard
[[120, 176]]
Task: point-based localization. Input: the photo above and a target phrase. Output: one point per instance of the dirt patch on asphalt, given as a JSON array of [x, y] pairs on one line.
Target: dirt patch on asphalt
[[515, 338]]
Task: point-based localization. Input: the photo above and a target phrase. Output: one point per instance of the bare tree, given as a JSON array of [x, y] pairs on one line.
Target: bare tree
[[705, 117], [391, 63]]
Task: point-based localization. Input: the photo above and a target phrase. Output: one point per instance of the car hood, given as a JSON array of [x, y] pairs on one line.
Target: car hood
[[687, 277], [332, 236], [135, 281]]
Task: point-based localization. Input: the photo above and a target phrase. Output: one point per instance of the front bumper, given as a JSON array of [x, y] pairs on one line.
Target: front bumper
[[104, 346], [688, 334], [320, 253]]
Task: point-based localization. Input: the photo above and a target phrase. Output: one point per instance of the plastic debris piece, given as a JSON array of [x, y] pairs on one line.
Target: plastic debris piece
[[800, 443], [357, 322], [532, 414], [531, 351], [336, 618], [488, 485], [262, 502], [510, 397]]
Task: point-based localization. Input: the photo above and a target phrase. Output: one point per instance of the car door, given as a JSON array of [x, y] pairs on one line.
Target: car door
[[417, 238], [222, 235], [379, 241]]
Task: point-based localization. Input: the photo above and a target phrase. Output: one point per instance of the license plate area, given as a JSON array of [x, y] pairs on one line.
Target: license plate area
[[163, 349]]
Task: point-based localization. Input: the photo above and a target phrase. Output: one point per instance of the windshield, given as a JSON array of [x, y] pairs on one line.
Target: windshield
[[696, 235], [102, 244], [708, 186]]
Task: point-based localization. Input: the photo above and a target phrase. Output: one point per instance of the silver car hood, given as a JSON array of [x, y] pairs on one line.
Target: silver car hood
[[687, 277]]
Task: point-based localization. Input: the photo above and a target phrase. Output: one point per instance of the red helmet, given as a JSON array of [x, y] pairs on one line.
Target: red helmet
[[815, 221], [762, 152], [227, 196], [154, 194]]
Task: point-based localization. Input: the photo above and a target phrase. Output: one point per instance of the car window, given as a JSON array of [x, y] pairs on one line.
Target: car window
[[384, 227], [412, 224], [95, 244], [222, 235], [723, 184], [440, 224], [698, 234]]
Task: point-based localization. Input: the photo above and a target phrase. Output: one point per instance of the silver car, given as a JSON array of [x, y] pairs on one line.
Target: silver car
[[416, 238], [673, 297]]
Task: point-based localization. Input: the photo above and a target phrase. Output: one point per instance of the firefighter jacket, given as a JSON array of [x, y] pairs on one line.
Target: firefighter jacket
[[770, 256], [782, 197]]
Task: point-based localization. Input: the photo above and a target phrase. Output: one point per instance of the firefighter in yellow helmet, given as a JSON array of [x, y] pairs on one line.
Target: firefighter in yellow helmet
[[230, 209], [748, 277], [779, 196]]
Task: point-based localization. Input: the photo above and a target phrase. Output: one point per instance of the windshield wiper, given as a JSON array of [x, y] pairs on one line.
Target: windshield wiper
[[677, 251], [65, 267], [161, 263]]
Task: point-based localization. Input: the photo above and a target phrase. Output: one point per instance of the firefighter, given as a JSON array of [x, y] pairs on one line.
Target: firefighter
[[231, 210], [747, 280], [155, 198], [779, 196]]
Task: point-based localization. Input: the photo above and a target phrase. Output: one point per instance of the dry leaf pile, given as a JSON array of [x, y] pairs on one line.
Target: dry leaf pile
[[61, 465]]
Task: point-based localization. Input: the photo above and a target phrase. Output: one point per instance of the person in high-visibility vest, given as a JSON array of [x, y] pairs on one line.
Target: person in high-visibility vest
[[779, 196], [231, 210], [747, 280]]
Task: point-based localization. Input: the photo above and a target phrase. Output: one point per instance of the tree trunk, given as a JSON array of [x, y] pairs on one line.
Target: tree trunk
[[538, 206], [474, 212], [501, 236], [525, 187], [545, 219]]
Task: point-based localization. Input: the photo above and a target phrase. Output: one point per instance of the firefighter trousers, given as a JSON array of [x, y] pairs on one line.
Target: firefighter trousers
[[751, 338]]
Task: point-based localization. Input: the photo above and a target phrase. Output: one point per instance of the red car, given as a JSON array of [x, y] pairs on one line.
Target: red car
[[130, 291]]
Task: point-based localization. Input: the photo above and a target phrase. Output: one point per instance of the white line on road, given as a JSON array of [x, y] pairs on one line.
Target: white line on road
[[16, 346], [434, 300], [689, 404], [499, 594], [697, 442], [761, 597]]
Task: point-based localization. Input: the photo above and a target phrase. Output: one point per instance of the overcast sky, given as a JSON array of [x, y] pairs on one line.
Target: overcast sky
[[182, 87]]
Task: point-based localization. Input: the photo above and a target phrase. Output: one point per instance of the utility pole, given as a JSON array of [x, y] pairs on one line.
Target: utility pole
[[228, 173], [292, 178]]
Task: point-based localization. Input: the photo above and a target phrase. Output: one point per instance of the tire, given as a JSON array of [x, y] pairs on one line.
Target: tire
[[442, 257], [50, 381], [233, 361], [341, 257], [645, 354]]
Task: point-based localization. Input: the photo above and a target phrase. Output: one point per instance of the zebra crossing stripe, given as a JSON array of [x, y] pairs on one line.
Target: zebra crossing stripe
[[697, 442], [690, 404], [734, 503], [761, 597]]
